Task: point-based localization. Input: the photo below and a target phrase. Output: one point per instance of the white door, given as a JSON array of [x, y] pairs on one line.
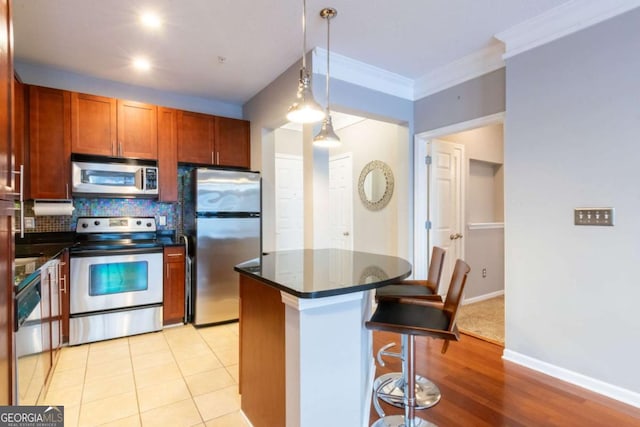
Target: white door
[[341, 201], [289, 202], [446, 203]]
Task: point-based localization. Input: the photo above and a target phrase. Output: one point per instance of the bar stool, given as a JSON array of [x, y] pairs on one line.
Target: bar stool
[[391, 386], [413, 317]]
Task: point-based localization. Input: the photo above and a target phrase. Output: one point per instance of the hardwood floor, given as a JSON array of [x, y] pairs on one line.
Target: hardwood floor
[[480, 389]]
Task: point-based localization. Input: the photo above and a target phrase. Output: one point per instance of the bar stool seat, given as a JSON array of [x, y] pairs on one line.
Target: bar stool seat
[[413, 317]]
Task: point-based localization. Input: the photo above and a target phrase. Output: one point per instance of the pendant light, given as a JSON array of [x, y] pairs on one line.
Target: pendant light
[[305, 109], [327, 137]]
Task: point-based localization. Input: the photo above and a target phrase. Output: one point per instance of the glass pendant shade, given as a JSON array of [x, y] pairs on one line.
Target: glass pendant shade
[[305, 109]]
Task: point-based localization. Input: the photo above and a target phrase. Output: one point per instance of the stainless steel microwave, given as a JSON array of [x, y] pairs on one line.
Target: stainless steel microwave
[[93, 176]]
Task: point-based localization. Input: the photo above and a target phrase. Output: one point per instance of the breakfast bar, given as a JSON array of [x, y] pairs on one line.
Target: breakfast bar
[[305, 356]]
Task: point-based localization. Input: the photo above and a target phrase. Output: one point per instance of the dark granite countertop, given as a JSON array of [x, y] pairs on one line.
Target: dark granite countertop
[[316, 273]]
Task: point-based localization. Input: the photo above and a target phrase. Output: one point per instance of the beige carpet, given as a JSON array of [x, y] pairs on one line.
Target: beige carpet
[[484, 319]]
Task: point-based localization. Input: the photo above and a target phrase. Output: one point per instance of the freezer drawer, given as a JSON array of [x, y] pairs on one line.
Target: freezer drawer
[[221, 244]]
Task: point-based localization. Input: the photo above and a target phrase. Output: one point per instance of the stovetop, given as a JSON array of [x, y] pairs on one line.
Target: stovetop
[[103, 233]]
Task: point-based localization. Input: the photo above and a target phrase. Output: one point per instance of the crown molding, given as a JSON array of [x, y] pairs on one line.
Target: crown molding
[[362, 74], [469, 67], [561, 21]]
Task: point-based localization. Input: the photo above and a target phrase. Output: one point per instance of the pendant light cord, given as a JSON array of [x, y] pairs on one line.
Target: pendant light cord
[[328, 50], [304, 36]]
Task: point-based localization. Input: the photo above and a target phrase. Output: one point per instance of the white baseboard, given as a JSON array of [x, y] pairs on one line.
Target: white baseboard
[[618, 393], [482, 297]]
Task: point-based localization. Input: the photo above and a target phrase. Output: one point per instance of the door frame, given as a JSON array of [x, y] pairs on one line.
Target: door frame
[[421, 241]]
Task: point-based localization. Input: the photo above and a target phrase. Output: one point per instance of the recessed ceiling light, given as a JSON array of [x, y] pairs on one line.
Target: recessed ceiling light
[[150, 20], [141, 64]]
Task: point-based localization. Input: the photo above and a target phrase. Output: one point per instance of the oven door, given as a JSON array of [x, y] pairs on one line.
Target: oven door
[[119, 279]]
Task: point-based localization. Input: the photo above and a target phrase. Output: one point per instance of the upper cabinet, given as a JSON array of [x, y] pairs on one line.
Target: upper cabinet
[[232, 142], [109, 127], [196, 138], [167, 155], [49, 142], [211, 140], [137, 130], [20, 131], [93, 124]]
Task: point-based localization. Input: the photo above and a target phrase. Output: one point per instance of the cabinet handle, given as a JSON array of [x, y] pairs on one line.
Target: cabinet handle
[[21, 194], [66, 186], [217, 157], [170, 255], [212, 161], [63, 280]]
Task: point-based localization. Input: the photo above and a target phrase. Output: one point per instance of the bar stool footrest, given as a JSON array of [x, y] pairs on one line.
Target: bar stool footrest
[[390, 389], [398, 421]]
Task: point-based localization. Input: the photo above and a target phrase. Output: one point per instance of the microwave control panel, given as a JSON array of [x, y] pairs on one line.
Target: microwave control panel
[[151, 179]]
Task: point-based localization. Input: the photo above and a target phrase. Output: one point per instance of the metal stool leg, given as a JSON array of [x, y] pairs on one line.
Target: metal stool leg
[[408, 419], [390, 387]]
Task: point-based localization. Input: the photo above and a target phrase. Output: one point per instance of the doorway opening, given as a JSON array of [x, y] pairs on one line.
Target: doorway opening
[[459, 205]]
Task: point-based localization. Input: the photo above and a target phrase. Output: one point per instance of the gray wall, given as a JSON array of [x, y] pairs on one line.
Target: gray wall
[[61, 79], [472, 99], [572, 139]]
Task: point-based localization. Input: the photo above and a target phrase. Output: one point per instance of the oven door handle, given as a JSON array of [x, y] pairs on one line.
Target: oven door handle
[[77, 253]]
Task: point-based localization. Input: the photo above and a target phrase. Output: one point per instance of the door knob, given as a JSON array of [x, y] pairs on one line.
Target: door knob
[[455, 236], [346, 233]]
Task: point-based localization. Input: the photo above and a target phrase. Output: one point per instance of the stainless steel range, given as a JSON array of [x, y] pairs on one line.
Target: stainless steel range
[[116, 279]]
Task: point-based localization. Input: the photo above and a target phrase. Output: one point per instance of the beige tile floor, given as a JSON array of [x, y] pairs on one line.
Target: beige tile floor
[[180, 376]]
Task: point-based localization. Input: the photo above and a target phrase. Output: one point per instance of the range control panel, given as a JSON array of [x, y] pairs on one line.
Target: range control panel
[[593, 216]]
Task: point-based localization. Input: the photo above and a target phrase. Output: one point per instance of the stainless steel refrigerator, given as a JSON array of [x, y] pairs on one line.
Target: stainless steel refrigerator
[[225, 229]]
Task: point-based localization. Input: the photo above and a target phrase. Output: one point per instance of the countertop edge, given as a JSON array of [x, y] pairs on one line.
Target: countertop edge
[[322, 294]]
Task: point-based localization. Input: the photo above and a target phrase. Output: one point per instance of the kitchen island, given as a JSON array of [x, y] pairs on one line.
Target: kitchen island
[[305, 355]]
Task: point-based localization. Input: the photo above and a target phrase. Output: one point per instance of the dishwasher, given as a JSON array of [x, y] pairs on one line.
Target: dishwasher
[[29, 348]]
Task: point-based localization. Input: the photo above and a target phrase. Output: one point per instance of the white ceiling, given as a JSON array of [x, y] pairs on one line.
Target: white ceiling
[[259, 39]]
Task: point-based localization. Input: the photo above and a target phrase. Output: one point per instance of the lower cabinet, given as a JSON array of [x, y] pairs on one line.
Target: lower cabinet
[[174, 285]]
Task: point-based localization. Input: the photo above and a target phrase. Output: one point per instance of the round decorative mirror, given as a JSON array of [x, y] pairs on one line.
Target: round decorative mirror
[[375, 185]]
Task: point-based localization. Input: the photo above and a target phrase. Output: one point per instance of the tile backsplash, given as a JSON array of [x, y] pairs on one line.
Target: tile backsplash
[[118, 207], [104, 207]]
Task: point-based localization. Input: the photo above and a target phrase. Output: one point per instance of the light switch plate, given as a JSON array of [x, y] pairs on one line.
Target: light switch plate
[[594, 216], [29, 222], [162, 220]]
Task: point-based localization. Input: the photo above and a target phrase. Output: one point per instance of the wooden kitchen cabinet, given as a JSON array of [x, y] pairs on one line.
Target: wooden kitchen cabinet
[[174, 285], [137, 130], [232, 142], [93, 124], [211, 140], [49, 142], [196, 138], [20, 130], [111, 127], [167, 155]]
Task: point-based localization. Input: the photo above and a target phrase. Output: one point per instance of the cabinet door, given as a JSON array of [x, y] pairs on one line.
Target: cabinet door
[[195, 138], [137, 130], [93, 124], [167, 154], [232, 142], [173, 296], [49, 142], [20, 149]]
